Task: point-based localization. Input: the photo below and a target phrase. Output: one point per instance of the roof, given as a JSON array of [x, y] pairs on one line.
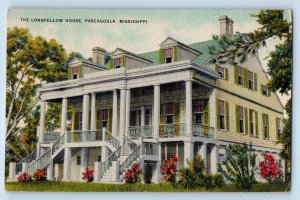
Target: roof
[[89, 62], [132, 54]]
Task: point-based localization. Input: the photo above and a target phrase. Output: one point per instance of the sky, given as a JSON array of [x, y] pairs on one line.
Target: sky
[[187, 26]]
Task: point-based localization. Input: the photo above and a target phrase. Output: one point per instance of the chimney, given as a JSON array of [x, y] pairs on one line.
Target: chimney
[[99, 55], [226, 26]]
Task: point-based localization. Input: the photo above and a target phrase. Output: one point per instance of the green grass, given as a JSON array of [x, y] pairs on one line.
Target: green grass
[[52, 186]]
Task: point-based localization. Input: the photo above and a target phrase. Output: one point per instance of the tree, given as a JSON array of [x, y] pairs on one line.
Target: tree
[[273, 25], [30, 61], [239, 166]]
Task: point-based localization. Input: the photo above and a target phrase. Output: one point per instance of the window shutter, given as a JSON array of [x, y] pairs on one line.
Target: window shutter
[[256, 124], [218, 113], [175, 53], [227, 115], [110, 64], [206, 117], [76, 126], [98, 128], [69, 73], [276, 122], [261, 88], [162, 119], [246, 120], [235, 74], [73, 119], [237, 118], [216, 68], [80, 71], [123, 61], [160, 56], [268, 130], [226, 74], [255, 81], [177, 118], [246, 77], [109, 125]]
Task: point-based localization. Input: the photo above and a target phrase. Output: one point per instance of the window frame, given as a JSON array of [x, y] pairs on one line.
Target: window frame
[[221, 73], [221, 117], [242, 120], [266, 91], [169, 57], [240, 77], [265, 126], [200, 112], [169, 115], [252, 123], [114, 63], [250, 81]]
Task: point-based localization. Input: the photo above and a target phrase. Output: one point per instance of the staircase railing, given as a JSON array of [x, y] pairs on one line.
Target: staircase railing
[[129, 160], [129, 142], [111, 139], [113, 157], [58, 144], [28, 159]]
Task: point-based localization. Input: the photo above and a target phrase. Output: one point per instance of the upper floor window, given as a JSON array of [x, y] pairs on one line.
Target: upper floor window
[[279, 127], [147, 116], [169, 113], [117, 63], [222, 114], [265, 90], [75, 72], [168, 55], [241, 119], [104, 118], [252, 122], [265, 126], [221, 72], [251, 80], [240, 75], [198, 109]]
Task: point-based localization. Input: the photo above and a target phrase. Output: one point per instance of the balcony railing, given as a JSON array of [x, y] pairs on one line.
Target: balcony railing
[[172, 130], [140, 131], [84, 136], [203, 131], [51, 137]]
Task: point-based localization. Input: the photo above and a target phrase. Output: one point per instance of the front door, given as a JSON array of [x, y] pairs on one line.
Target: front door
[[135, 118]]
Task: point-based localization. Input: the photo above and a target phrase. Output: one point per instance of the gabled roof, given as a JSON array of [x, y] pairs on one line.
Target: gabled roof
[[132, 54], [87, 62]]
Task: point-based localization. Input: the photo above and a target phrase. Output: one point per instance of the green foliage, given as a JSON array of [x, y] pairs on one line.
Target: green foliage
[[239, 167], [188, 178]]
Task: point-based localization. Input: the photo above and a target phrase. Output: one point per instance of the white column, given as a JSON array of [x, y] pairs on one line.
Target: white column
[[188, 152], [83, 161], [97, 172], [115, 114], [212, 107], [142, 115], [156, 111], [67, 164], [12, 172], [50, 170], [64, 113], [188, 107], [41, 126], [214, 159], [25, 167], [122, 112], [103, 153], [93, 112], [115, 171], [85, 112], [127, 111], [203, 152]]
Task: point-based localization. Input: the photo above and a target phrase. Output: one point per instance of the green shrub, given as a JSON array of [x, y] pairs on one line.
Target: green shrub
[[218, 180], [187, 178], [208, 182]]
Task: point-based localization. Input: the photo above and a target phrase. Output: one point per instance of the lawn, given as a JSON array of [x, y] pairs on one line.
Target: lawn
[[52, 186]]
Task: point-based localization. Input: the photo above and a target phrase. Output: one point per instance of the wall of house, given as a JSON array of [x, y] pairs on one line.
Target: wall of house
[[87, 70], [132, 63], [183, 54]]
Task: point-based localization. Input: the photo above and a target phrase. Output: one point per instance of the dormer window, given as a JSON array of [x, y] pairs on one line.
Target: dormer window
[[168, 55], [117, 63], [75, 72], [221, 72]]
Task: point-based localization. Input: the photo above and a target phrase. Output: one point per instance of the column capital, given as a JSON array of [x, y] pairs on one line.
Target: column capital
[[115, 91], [156, 84], [93, 94]]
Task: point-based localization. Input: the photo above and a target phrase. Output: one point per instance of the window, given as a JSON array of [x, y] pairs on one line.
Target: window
[[117, 63], [221, 71], [168, 55], [198, 108], [279, 127], [78, 160], [80, 120], [252, 123], [222, 114], [251, 80], [169, 113], [75, 72], [147, 116], [266, 126], [264, 90], [241, 120], [104, 118], [240, 76], [135, 117], [99, 159]]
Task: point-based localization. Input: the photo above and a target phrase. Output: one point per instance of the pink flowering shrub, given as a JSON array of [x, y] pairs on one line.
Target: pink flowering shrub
[[132, 175], [40, 175], [169, 170], [269, 169], [88, 175], [24, 177]]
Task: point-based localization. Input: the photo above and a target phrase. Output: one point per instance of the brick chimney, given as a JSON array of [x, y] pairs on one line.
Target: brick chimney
[[226, 26], [99, 55]]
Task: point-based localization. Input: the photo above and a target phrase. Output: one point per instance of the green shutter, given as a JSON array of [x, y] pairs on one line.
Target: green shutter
[[177, 118], [246, 77], [255, 81], [110, 64], [162, 119], [123, 61], [261, 89], [226, 74], [206, 117], [76, 126], [175, 53], [80, 71], [227, 115], [268, 130], [276, 122], [216, 68], [109, 125], [237, 118], [218, 113], [73, 119], [235, 74], [69, 73], [246, 120], [256, 124], [161, 57]]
